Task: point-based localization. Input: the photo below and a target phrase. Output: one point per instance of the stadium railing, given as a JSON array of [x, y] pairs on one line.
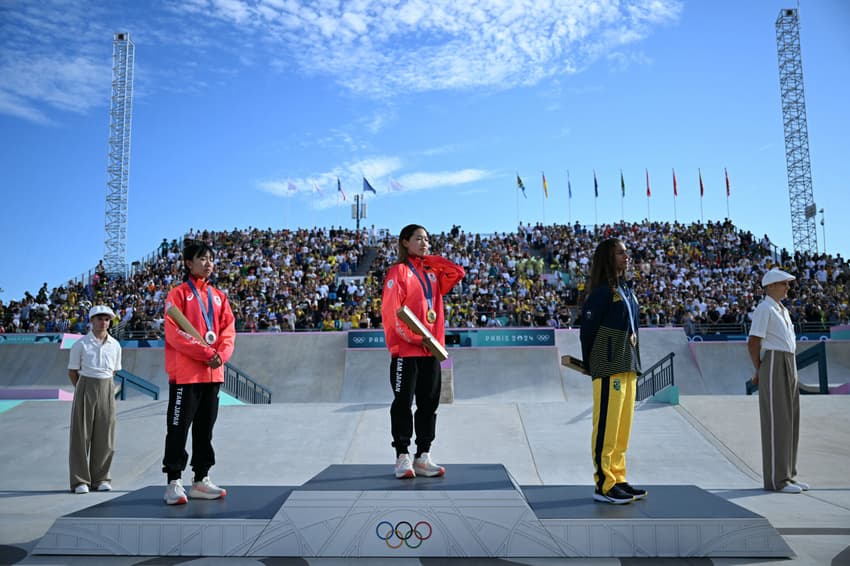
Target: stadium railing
[[244, 388], [124, 379], [658, 377]]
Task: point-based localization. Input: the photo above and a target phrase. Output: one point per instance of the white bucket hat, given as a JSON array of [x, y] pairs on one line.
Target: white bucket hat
[[775, 276], [101, 309]]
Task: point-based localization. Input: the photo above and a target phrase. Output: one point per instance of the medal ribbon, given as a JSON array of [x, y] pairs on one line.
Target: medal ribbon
[[628, 300], [426, 286], [207, 312]]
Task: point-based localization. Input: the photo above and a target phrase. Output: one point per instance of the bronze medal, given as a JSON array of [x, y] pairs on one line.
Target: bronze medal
[[431, 316]]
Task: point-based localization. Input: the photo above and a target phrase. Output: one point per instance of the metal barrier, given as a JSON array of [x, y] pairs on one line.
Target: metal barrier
[[656, 378], [124, 379], [243, 387]]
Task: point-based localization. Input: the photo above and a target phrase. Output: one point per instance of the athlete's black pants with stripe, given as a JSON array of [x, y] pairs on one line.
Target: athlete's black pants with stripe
[[192, 405], [419, 377]]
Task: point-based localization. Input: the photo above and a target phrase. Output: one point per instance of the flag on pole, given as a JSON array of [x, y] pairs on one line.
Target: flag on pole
[[675, 188], [648, 190], [520, 185], [701, 188], [569, 186], [339, 189], [368, 187], [622, 183], [395, 185], [595, 185], [728, 189], [545, 188]]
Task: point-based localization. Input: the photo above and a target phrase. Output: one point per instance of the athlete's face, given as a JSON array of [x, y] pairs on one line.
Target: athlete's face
[[621, 258], [418, 243], [201, 266]]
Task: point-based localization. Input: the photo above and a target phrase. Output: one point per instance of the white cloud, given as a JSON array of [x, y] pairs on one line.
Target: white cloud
[[382, 48], [418, 181], [371, 47], [377, 170], [14, 106], [73, 84]]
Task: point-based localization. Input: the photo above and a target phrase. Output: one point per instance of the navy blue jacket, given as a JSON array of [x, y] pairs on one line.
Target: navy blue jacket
[[605, 332]]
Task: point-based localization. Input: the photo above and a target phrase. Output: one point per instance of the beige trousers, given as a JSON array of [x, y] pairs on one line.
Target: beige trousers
[[779, 409], [92, 432]]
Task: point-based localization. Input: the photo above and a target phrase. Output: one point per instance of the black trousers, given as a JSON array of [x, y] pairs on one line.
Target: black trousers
[[419, 377], [192, 405]]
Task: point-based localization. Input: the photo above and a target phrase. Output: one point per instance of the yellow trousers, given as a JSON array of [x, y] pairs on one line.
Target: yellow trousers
[[613, 412]]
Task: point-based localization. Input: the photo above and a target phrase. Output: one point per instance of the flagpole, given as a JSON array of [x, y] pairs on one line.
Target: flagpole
[[622, 196], [543, 201], [595, 199], [728, 217], [648, 215], [675, 195], [517, 201]]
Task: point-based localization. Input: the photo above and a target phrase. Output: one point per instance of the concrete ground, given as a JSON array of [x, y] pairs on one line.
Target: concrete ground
[[709, 440]]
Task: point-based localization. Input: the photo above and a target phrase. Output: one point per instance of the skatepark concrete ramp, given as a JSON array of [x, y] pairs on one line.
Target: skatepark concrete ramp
[[318, 367]]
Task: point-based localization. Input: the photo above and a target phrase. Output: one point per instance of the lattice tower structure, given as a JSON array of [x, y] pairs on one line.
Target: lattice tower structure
[[118, 168], [797, 163]]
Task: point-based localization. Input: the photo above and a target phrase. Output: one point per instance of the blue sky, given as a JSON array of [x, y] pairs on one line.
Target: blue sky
[[236, 99]]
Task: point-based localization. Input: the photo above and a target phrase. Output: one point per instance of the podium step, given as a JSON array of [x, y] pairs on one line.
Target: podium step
[[476, 510], [672, 521]]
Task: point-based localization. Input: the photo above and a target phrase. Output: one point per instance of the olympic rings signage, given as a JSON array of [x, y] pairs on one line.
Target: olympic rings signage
[[366, 339], [403, 533]]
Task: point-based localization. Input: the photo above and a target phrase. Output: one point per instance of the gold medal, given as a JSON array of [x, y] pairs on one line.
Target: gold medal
[[431, 316]]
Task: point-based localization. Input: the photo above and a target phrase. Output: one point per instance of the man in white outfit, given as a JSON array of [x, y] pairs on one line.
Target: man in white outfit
[[772, 346], [92, 365]]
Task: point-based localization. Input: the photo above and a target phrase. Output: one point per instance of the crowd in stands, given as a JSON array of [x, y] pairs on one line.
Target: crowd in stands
[[331, 279]]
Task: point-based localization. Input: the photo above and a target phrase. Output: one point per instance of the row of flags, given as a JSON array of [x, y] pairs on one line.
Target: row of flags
[[521, 185], [393, 186]]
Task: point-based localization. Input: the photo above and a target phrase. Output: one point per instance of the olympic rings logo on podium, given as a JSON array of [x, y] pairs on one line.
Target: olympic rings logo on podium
[[403, 532]]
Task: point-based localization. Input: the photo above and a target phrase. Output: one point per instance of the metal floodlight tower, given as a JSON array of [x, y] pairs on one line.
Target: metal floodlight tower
[[803, 209], [118, 168]]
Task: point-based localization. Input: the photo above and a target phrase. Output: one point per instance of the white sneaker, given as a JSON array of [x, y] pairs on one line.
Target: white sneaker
[[423, 466], [801, 484], [174, 493], [82, 488], [205, 489], [104, 486], [791, 488], [404, 467]]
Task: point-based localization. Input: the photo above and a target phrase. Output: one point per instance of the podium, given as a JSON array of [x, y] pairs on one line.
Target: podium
[[476, 510]]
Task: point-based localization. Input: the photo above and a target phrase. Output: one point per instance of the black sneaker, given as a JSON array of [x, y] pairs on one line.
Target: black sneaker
[[635, 492], [614, 496]]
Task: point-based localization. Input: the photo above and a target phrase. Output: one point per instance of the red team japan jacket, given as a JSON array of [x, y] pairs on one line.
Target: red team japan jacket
[[185, 357], [403, 288]]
